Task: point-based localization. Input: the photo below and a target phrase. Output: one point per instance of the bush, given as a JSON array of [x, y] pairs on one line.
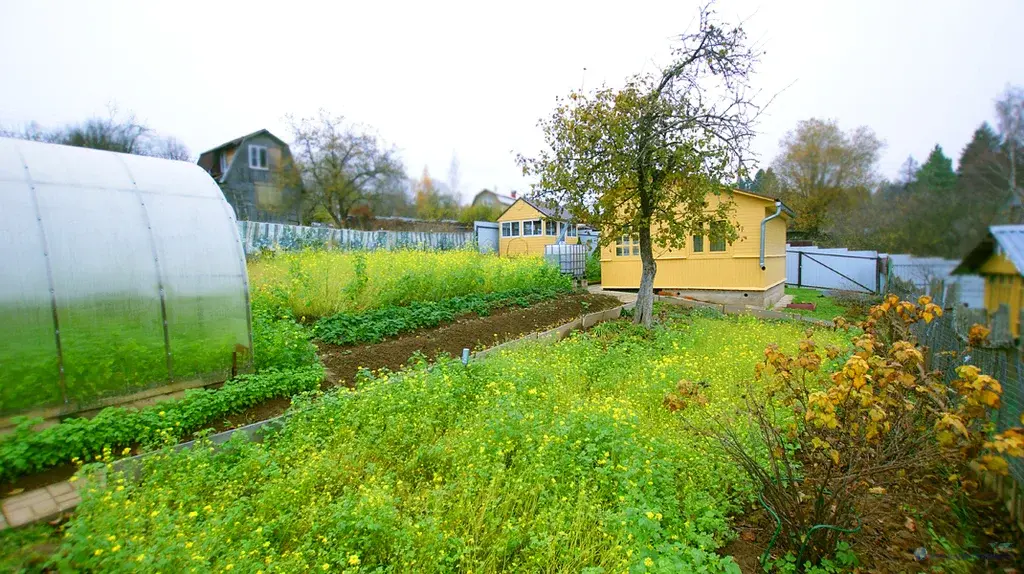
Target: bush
[[834, 438], [26, 450], [374, 325], [594, 267]]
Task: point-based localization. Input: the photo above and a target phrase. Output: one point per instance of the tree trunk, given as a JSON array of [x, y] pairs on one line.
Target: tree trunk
[[644, 310]]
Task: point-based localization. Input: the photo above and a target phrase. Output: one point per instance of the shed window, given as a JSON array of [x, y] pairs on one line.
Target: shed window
[[627, 245], [532, 227], [551, 227], [510, 229], [717, 236], [258, 157]]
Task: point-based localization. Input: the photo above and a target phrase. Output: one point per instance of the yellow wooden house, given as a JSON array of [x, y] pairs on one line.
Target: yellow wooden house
[[526, 226], [750, 271], [999, 258]]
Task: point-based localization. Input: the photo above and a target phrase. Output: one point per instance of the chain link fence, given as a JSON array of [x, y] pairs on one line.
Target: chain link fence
[[946, 348]]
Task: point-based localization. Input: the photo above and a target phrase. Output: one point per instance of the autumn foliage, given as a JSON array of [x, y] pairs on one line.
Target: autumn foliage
[[872, 421]]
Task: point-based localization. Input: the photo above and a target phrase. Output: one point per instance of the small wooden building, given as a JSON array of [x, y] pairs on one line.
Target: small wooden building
[[526, 226], [747, 272], [999, 258]]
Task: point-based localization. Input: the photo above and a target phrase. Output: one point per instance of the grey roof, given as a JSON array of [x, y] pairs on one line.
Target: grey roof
[[1011, 242], [1005, 239], [557, 212], [239, 140]]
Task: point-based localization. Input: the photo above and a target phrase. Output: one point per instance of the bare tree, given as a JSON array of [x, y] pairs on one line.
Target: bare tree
[[115, 132], [1010, 114], [642, 160], [340, 165]]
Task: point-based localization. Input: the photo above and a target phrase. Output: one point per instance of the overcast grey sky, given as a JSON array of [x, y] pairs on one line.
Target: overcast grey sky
[[472, 78]]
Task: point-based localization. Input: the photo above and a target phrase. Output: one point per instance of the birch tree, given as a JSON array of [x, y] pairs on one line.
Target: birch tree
[[642, 160]]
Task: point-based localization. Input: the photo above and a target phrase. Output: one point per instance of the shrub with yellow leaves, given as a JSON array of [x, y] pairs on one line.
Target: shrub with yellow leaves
[[835, 436]]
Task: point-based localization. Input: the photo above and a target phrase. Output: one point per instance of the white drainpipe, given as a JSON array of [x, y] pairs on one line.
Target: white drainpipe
[[764, 223]]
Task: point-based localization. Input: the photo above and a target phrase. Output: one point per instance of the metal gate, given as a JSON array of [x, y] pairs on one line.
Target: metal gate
[[835, 269], [486, 233]]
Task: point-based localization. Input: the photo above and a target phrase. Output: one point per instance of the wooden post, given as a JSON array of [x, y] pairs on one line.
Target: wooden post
[[799, 268]]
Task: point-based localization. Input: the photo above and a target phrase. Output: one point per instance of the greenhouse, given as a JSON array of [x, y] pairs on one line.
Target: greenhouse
[[122, 276]]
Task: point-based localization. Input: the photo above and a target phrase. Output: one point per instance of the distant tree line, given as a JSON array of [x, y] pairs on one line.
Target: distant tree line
[[830, 178], [115, 132]]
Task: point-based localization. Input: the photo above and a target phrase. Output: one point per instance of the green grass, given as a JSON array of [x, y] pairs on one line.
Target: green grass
[[541, 458], [826, 308]]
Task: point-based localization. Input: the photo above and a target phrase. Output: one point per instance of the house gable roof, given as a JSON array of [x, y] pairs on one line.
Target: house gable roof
[[785, 208], [559, 212], [502, 199], [1006, 239], [206, 158]]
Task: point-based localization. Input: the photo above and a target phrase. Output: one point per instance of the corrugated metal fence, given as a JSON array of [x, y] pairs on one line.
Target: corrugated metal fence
[[258, 236]]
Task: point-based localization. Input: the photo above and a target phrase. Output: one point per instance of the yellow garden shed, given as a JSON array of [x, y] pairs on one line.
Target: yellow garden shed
[[526, 226], [747, 272], [999, 258]]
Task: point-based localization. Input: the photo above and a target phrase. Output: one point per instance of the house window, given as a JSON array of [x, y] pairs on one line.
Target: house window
[[223, 162], [698, 243], [627, 245], [717, 236], [532, 227], [572, 231], [551, 227], [258, 157], [510, 229]]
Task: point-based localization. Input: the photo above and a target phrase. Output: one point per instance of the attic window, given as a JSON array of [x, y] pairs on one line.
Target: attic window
[[258, 157]]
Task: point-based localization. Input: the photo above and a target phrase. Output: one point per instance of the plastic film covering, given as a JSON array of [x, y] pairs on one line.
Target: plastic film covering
[[120, 273]]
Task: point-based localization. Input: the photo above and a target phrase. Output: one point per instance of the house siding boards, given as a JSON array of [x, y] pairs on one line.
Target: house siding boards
[[521, 211], [252, 192], [715, 275], [999, 258], [1004, 285]]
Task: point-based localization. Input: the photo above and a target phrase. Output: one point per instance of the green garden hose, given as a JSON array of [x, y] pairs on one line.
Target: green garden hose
[[806, 537]]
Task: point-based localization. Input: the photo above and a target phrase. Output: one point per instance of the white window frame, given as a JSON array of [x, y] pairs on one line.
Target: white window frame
[[254, 157], [573, 230], [535, 227], [625, 244], [510, 228], [550, 227]]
